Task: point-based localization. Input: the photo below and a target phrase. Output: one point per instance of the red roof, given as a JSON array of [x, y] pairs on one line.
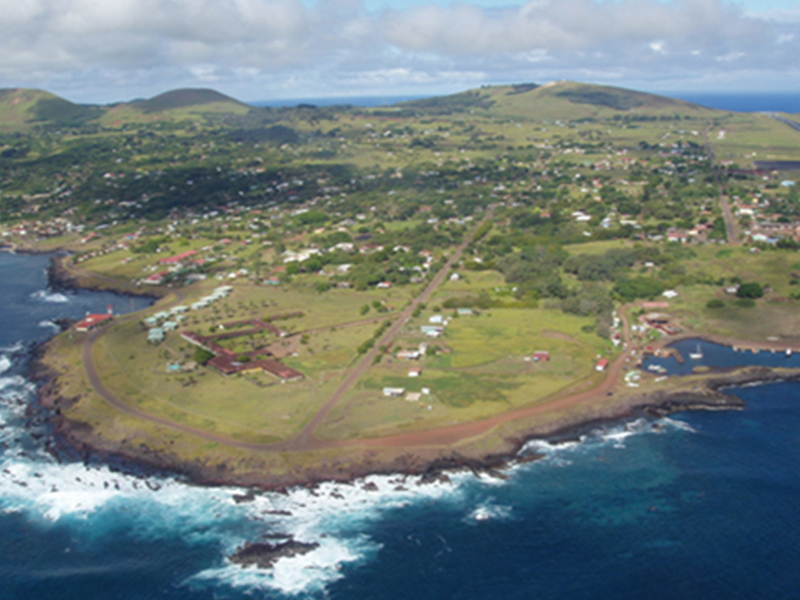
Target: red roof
[[178, 257], [92, 321], [602, 363]]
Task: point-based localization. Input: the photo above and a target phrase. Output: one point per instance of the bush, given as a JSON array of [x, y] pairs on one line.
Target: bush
[[745, 302], [750, 290], [715, 303]]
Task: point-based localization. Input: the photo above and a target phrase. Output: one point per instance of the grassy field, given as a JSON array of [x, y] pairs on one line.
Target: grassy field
[[750, 137], [484, 372], [773, 316]]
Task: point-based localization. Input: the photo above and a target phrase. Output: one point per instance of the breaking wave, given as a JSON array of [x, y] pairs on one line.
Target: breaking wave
[[336, 516], [48, 296]]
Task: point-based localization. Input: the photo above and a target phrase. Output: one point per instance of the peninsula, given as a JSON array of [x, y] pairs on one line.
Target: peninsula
[[344, 290]]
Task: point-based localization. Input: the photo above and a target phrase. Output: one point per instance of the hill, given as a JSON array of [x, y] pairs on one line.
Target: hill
[[190, 98], [22, 107], [558, 100], [175, 105]]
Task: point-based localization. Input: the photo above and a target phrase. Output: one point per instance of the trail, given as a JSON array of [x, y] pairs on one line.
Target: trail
[[305, 436], [727, 213]]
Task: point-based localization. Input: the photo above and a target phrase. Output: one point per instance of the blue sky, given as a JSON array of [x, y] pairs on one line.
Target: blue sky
[[108, 50]]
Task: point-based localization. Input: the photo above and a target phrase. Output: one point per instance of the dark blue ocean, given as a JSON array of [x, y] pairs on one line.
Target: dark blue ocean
[[696, 506]]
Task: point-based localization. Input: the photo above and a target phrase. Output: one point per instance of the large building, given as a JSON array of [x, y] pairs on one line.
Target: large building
[[92, 321]]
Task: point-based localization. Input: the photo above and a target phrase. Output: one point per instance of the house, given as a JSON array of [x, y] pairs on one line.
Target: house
[[384, 285], [414, 372], [155, 278], [413, 396], [92, 321], [602, 364], [156, 335], [432, 330], [541, 355], [409, 354], [390, 392], [436, 319], [464, 312], [172, 260]]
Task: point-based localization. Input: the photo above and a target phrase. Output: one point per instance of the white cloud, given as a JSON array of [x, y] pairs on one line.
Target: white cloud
[[254, 47]]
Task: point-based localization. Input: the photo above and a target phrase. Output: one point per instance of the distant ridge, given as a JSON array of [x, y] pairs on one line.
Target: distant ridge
[[556, 100], [186, 98]]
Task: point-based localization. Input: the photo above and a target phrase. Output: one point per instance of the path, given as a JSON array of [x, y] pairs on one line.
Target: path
[[727, 213], [305, 436]]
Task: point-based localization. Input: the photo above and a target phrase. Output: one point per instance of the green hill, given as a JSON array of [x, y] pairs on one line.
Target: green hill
[[190, 98], [174, 105], [559, 100], [21, 108]]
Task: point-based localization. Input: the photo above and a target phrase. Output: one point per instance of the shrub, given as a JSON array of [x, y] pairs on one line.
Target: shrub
[[750, 290], [715, 303], [745, 302]]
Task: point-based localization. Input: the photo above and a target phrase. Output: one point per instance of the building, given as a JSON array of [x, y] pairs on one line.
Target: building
[[391, 392], [155, 278], [602, 364], [541, 355], [414, 372], [156, 335], [172, 260], [92, 321]]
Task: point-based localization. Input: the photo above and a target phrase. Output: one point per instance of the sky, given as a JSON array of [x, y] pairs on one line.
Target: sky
[[103, 51]]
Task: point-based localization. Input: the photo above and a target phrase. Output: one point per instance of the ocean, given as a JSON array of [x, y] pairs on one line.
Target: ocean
[[742, 102], [694, 506]]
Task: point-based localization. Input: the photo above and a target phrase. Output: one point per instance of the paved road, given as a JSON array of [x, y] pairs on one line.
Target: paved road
[[727, 213], [789, 122]]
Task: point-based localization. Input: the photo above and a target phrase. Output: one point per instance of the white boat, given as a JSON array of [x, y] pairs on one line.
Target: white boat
[[697, 355], [788, 352]]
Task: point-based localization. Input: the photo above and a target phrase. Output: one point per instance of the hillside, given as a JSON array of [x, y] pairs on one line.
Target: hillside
[[190, 98], [558, 100], [21, 107]]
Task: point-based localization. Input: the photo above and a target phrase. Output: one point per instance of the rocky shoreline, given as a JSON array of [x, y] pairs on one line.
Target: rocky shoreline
[[77, 439], [60, 278]]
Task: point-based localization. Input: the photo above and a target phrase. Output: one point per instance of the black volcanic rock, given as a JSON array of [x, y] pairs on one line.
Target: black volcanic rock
[[264, 555]]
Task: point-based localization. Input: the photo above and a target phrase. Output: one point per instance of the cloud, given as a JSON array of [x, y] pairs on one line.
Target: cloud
[[260, 48]]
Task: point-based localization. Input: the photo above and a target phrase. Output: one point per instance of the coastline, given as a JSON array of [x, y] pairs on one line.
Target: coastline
[[61, 277], [362, 458], [76, 439]]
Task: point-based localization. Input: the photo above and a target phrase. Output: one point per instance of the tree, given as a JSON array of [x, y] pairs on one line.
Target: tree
[[750, 290]]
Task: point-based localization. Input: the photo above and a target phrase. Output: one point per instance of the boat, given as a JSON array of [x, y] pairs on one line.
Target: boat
[[697, 354], [788, 352]]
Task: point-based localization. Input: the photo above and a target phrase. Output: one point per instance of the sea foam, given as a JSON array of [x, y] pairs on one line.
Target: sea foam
[[96, 501], [47, 296]]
